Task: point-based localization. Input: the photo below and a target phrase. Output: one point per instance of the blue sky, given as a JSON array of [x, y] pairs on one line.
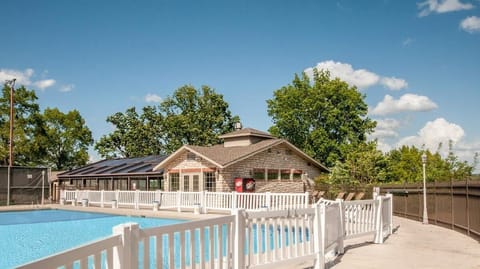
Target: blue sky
[[417, 62]]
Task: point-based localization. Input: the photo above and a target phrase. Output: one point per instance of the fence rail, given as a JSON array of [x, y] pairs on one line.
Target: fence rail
[[188, 200], [454, 204], [246, 239]]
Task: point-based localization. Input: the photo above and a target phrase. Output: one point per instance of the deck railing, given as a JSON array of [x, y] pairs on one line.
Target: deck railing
[[246, 239]]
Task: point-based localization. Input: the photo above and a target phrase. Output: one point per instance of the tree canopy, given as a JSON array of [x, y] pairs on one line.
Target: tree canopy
[[66, 139], [322, 116], [51, 138], [189, 116]]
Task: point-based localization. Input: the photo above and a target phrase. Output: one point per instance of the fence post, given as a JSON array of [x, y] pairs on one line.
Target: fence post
[[234, 201], [307, 199], [136, 198], [390, 213], [126, 255], [179, 201], [341, 204], [376, 192], [102, 198], [268, 201], [319, 236], [378, 221], [117, 196], [203, 202], [239, 240], [158, 197]]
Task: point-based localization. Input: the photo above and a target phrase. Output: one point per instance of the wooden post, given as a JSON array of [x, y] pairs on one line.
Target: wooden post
[[452, 204], [468, 207]]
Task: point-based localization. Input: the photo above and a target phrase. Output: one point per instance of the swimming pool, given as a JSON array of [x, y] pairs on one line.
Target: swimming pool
[[29, 235]]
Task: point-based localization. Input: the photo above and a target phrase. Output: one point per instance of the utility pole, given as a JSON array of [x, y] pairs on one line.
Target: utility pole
[[10, 144]]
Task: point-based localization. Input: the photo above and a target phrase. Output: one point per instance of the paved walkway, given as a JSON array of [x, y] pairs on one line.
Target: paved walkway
[[413, 245]]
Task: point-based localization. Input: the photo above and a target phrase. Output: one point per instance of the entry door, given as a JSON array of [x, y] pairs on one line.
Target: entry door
[[191, 182]]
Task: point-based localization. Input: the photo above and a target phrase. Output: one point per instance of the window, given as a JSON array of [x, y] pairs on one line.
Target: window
[[103, 184], [297, 174], [186, 181], [258, 173], [272, 174], [155, 183], [285, 174], [174, 182], [196, 183], [210, 182]]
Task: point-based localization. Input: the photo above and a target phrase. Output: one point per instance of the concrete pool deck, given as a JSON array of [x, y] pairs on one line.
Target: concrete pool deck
[[412, 245]]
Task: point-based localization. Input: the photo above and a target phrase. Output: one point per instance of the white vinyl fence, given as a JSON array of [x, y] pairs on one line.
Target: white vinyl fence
[[228, 201], [246, 239]]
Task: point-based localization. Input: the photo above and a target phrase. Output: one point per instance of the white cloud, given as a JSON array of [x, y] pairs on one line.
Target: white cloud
[[152, 98], [431, 135], [441, 6], [434, 133], [386, 128], [407, 102], [388, 124], [25, 78], [67, 88], [43, 84], [471, 24], [394, 83], [361, 78]]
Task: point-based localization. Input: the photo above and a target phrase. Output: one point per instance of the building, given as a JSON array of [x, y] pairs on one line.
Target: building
[[115, 174], [275, 164]]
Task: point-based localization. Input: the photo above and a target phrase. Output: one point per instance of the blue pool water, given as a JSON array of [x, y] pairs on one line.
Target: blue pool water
[[29, 235]]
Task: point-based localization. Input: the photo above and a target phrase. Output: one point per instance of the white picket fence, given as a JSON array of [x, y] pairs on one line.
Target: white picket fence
[[187, 200], [246, 239]]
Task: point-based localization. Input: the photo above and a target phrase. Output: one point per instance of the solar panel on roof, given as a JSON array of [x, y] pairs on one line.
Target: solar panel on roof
[[117, 166]]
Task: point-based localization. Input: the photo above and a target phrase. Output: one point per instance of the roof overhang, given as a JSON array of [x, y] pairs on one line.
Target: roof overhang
[[181, 150]]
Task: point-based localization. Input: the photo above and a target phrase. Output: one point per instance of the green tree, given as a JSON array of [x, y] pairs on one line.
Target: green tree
[[322, 116], [27, 127], [366, 164], [404, 165], [195, 117], [189, 116], [66, 139], [135, 134]]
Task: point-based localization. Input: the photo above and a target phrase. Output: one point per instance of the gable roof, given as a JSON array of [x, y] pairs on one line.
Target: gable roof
[[117, 167], [223, 157]]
